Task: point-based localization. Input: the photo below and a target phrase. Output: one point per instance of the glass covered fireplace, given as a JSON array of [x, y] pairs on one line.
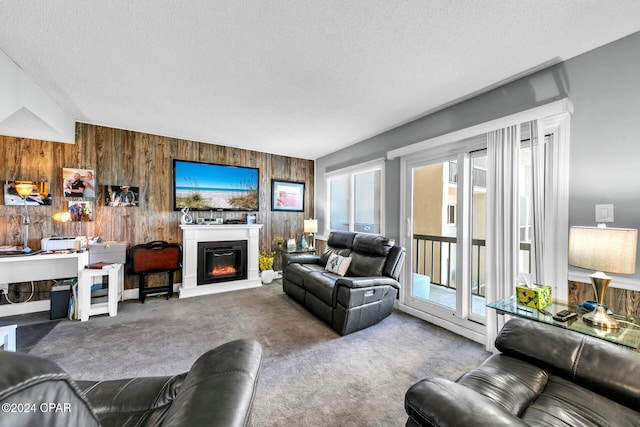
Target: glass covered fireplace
[[222, 261]]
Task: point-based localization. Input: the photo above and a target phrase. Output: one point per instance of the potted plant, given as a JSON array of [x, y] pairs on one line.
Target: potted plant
[[279, 242], [265, 264]]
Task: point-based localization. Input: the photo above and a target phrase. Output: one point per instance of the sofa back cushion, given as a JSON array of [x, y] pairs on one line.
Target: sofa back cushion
[[598, 365], [339, 243], [369, 254]]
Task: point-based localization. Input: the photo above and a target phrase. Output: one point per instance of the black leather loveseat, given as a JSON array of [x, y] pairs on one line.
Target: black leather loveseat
[[353, 299], [217, 391], [544, 376]]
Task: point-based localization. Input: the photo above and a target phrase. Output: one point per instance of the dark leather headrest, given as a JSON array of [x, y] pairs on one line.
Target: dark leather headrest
[[341, 239], [372, 244]]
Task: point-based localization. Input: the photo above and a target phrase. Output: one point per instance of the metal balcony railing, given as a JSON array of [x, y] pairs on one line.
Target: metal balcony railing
[[434, 256]]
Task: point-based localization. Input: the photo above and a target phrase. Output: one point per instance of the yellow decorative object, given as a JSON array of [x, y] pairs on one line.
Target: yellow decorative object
[[538, 297], [265, 260]]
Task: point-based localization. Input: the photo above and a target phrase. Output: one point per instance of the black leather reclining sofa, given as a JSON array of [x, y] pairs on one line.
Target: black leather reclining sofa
[[543, 376], [218, 390], [363, 296]]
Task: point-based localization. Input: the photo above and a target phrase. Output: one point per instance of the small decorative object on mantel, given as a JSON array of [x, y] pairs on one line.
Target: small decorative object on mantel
[[186, 218]]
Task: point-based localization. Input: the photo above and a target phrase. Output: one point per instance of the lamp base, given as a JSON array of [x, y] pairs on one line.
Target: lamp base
[[601, 319]]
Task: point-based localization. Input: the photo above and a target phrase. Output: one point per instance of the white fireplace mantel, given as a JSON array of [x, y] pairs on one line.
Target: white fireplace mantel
[[194, 233]]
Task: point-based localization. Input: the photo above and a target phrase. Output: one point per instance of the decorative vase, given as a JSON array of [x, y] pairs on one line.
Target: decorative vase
[[267, 276], [186, 218]]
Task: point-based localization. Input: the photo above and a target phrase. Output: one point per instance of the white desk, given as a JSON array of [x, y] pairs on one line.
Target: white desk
[[41, 267], [38, 267]]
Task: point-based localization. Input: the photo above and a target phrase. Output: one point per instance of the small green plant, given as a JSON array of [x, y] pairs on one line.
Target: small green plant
[[265, 260], [279, 241]]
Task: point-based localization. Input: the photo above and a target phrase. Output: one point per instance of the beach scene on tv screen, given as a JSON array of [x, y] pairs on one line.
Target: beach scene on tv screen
[[202, 186]]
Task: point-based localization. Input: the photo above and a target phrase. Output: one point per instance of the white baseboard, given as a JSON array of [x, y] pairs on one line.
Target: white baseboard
[[24, 307], [45, 305]]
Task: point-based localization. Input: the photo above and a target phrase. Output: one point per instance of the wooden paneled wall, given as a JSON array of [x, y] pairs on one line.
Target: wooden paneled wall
[[621, 301], [142, 160]]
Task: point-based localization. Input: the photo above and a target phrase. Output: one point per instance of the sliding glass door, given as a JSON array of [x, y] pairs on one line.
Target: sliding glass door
[[450, 183], [447, 223]]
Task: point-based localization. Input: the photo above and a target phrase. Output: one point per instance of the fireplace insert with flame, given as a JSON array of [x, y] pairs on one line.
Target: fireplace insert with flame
[[222, 261]]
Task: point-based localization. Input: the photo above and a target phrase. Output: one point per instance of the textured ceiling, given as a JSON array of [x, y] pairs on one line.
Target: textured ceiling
[[299, 77]]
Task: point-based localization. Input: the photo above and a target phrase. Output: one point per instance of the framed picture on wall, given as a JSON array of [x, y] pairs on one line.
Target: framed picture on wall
[[80, 210], [39, 195], [78, 183], [287, 196], [121, 195]]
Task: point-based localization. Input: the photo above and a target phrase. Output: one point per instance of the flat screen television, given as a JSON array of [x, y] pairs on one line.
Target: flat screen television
[[208, 186]]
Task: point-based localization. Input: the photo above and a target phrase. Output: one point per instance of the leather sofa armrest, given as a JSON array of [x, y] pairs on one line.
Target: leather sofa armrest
[[367, 282], [441, 402], [299, 258], [219, 388]]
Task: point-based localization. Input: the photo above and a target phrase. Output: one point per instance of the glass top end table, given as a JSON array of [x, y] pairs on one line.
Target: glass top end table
[[628, 335]]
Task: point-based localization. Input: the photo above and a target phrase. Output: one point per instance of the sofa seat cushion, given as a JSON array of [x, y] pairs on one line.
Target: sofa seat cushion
[[297, 272], [566, 403], [321, 286], [510, 382]]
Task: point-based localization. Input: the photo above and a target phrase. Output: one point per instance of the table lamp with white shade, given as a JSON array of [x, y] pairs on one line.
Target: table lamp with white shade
[[310, 227], [606, 250]]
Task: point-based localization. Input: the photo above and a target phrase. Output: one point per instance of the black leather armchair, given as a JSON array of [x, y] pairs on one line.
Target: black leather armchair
[[217, 391], [544, 375], [363, 296]]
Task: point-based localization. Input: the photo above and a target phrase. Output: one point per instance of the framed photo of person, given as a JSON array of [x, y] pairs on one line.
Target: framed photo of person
[[287, 196], [78, 183], [121, 195], [80, 210]]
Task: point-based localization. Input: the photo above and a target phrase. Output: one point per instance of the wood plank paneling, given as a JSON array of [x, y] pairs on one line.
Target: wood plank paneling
[[621, 301], [142, 160]]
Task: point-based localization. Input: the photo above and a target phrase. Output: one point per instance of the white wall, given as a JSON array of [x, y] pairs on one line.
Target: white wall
[[603, 84], [27, 111]]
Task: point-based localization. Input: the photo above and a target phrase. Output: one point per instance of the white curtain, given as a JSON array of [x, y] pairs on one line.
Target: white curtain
[[538, 157], [503, 242]]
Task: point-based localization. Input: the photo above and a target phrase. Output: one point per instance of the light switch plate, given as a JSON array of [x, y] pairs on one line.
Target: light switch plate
[[604, 213]]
